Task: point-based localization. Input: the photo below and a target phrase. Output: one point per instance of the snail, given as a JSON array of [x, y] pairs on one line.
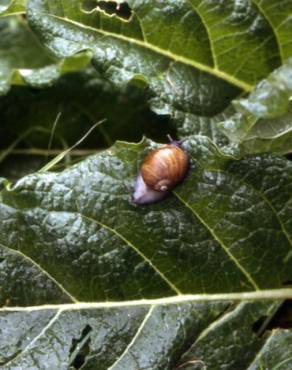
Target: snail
[[161, 171]]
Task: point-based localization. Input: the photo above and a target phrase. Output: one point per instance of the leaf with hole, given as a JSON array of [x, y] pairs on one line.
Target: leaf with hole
[[200, 280], [158, 336], [194, 57]]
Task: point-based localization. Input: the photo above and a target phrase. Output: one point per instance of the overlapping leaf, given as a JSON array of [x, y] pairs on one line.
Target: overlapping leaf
[[23, 60], [82, 229], [194, 56], [77, 236], [144, 336], [193, 72], [263, 122], [12, 7]]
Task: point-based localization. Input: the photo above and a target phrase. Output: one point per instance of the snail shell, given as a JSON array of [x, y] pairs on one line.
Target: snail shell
[[160, 172]]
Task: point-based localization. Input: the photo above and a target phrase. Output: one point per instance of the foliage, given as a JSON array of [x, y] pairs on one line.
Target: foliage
[[198, 281]]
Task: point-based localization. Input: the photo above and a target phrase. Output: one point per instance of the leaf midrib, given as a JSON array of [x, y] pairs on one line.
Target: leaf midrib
[[259, 295], [176, 58]]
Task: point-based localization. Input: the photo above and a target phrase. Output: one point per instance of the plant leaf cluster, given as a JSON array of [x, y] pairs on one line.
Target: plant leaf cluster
[[201, 280]]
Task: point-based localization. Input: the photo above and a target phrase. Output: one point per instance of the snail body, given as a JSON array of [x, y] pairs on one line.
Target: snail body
[[161, 171]]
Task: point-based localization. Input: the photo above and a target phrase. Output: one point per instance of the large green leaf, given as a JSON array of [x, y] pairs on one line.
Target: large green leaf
[[108, 331], [76, 236], [23, 60], [229, 217], [90, 280], [194, 56], [156, 335]]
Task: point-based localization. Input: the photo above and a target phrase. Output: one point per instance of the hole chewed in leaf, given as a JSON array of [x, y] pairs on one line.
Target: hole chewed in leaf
[[283, 317], [121, 10], [260, 325], [111, 8], [80, 348], [287, 283]]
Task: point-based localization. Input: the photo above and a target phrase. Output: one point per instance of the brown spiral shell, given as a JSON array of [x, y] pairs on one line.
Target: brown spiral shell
[[165, 167], [160, 172]]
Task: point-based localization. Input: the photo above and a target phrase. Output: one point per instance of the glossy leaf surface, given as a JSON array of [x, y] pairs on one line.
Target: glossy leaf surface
[[90, 280], [229, 217], [263, 120], [208, 54], [144, 336]]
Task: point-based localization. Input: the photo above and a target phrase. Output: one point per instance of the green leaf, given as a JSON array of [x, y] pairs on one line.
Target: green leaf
[[110, 331], [23, 60], [263, 121], [194, 56], [278, 14], [237, 337], [90, 280], [76, 236], [143, 335], [276, 353], [231, 218], [12, 7]]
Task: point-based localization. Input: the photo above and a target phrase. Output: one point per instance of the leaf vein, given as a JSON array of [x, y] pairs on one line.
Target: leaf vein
[[184, 60], [220, 242], [265, 199], [45, 328], [259, 295], [213, 53], [262, 11], [42, 270], [132, 246], [132, 342]]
